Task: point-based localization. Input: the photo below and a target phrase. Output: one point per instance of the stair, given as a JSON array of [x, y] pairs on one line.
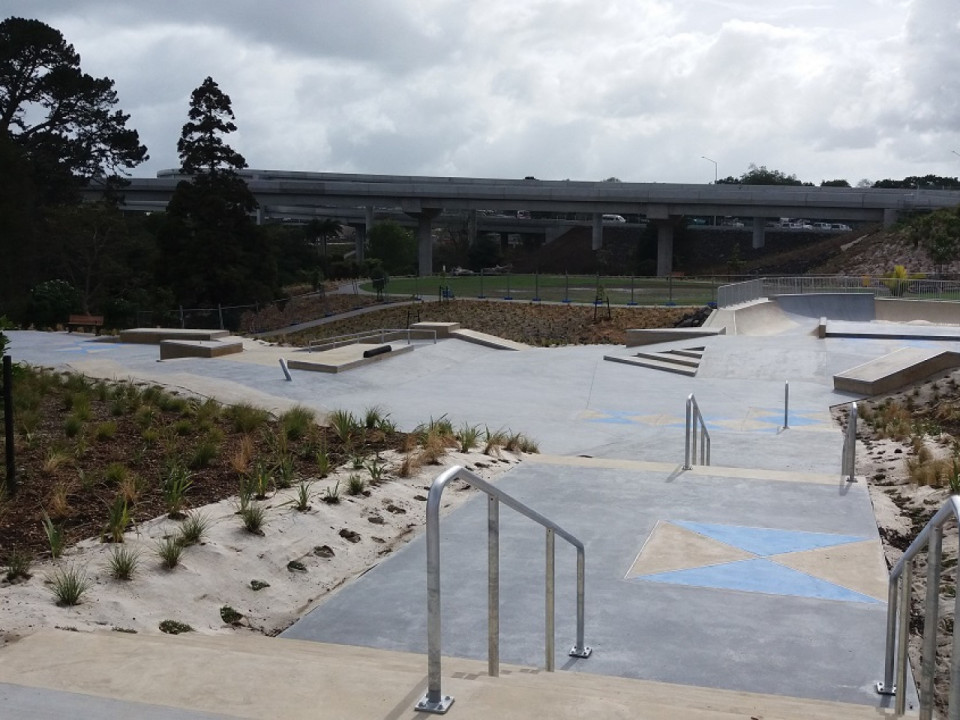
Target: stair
[[682, 361], [251, 676]]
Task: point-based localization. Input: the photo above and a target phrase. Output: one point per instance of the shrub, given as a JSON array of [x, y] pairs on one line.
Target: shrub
[[174, 627], [105, 430], [296, 422], [204, 453], [68, 584], [344, 425], [72, 426], [245, 417], [115, 473], [230, 616]]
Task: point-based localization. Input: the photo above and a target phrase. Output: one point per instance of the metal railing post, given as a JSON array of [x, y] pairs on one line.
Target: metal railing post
[[550, 600], [434, 701], [849, 460], [493, 586], [688, 428], [903, 640], [786, 405], [928, 655]]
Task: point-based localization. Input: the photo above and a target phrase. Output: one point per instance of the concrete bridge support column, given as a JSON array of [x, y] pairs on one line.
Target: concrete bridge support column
[[664, 247], [759, 234], [890, 216], [363, 232], [425, 240], [471, 228], [597, 239]]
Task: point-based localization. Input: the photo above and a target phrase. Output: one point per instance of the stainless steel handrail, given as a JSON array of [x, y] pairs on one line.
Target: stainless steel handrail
[[336, 341], [898, 608], [434, 700], [849, 455], [696, 428]]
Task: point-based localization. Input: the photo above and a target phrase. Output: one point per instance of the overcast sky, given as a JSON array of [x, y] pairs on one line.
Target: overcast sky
[[579, 89]]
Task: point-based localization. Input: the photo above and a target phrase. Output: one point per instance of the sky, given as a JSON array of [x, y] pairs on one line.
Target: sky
[[642, 90]]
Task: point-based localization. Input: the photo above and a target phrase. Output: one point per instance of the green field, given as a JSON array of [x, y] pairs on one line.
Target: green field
[[618, 290]]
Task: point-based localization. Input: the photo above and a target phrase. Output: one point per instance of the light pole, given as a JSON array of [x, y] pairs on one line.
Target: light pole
[[704, 157], [714, 179]]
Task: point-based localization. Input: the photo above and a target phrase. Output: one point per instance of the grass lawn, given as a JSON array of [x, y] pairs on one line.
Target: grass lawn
[[618, 290]]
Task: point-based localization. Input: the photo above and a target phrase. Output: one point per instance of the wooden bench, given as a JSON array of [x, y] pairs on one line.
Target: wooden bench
[[85, 321]]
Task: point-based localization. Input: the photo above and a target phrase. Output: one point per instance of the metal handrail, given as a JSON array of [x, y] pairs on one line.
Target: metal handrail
[[434, 700], [849, 462], [696, 429], [898, 608], [336, 341]]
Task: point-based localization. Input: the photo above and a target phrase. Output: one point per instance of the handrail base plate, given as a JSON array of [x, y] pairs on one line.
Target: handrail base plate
[[882, 690], [437, 708], [578, 652]]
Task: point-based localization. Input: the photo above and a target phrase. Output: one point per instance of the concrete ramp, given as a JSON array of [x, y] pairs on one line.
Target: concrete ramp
[[895, 370], [490, 341], [834, 306], [762, 317]]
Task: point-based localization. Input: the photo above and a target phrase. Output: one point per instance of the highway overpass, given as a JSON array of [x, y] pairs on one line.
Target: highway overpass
[[424, 198]]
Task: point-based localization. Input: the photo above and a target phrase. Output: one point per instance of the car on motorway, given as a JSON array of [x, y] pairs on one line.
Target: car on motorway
[[611, 218]]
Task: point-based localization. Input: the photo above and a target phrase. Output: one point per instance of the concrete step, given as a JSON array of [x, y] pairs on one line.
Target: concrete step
[[251, 676], [669, 357], [653, 364], [694, 352]]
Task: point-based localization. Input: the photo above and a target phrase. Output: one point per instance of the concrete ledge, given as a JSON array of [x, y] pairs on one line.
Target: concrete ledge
[[443, 329], [822, 328], [895, 370], [172, 349], [652, 336], [491, 341], [344, 358], [153, 336]]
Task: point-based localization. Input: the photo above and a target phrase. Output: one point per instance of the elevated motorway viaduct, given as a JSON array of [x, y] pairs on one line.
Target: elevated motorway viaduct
[[424, 198]]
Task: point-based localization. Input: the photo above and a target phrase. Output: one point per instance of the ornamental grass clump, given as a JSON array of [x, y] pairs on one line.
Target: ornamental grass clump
[[55, 536], [194, 528], [68, 584], [169, 550], [123, 562], [297, 421]]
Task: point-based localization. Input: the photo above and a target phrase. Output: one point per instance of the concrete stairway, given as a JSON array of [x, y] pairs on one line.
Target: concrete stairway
[[682, 361], [96, 675]]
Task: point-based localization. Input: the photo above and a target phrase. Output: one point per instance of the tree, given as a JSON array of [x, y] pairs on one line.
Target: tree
[[60, 118], [834, 183], [926, 182], [761, 176], [394, 246], [939, 233], [213, 251]]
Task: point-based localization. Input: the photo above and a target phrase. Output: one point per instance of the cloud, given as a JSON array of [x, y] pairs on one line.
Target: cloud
[[640, 89]]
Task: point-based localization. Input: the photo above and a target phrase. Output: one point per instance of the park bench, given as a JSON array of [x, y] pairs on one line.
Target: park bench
[[85, 321]]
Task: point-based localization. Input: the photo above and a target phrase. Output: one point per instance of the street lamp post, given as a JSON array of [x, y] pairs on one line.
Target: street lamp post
[[714, 179]]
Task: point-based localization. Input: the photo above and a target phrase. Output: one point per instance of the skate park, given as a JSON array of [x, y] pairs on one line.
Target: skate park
[[752, 584]]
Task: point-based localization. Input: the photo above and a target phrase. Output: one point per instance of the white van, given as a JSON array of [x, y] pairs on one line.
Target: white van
[[614, 219]]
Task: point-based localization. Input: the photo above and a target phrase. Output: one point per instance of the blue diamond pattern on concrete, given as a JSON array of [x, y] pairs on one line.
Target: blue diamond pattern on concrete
[[763, 576], [767, 541]]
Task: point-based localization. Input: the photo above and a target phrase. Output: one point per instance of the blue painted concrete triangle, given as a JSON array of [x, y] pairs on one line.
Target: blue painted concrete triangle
[[760, 576], [767, 541]]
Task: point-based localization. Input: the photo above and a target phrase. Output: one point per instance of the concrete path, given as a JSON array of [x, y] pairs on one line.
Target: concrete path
[[761, 573]]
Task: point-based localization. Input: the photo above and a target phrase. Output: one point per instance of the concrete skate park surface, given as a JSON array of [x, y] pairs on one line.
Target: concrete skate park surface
[[762, 573]]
